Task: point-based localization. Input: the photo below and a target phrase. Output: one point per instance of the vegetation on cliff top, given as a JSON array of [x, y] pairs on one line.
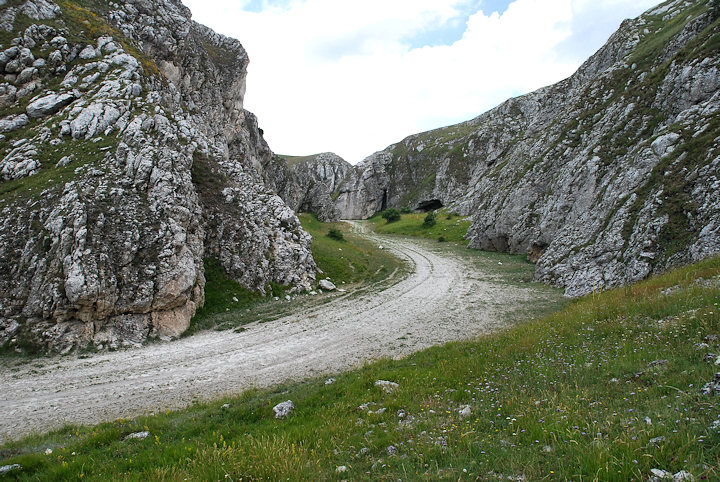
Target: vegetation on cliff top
[[608, 389]]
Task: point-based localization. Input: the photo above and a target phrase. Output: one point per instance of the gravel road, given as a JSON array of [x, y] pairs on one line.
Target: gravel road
[[442, 299]]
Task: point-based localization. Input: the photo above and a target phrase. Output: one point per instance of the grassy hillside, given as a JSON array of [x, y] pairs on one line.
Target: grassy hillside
[[351, 260], [607, 389], [449, 227]]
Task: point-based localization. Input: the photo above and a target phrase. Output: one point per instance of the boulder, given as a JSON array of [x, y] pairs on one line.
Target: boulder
[[283, 409], [48, 104], [327, 285]]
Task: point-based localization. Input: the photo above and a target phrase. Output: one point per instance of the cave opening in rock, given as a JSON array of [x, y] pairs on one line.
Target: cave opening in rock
[[431, 205], [383, 203]]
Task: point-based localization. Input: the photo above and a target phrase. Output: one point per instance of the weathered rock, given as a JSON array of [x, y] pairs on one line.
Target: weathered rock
[[6, 469], [167, 171], [49, 104], [13, 122], [327, 285], [137, 435], [386, 386], [712, 387], [602, 179], [283, 409], [309, 184]]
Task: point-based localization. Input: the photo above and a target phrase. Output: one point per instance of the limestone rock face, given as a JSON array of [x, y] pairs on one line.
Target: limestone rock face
[[311, 183], [602, 179], [133, 160]]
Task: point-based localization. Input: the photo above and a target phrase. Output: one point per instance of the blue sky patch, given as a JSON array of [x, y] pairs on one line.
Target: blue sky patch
[[451, 32]]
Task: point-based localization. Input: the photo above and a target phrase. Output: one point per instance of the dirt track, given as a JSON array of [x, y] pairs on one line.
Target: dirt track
[[442, 299]]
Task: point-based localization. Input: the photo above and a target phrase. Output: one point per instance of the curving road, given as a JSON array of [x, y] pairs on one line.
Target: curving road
[[442, 299]]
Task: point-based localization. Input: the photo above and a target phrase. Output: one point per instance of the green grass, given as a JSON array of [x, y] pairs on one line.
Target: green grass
[[448, 226], [82, 152], [562, 398], [223, 296], [353, 260]]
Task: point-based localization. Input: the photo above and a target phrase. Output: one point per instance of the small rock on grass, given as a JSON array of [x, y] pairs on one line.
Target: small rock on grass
[[6, 469], [327, 285], [465, 411], [341, 469], [387, 386], [660, 475], [137, 435], [329, 381], [283, 409], [713, 387]]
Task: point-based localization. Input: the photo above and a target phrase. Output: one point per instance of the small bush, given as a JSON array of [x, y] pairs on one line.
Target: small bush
[[441, 239], [430, 220], [335, 234], [407, 210], [391, 215]]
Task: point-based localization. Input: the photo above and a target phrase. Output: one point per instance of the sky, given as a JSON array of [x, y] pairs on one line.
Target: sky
[[354, 76]]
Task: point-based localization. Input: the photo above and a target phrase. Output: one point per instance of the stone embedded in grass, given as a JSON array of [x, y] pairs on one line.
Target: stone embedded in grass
[[387, 386], [327, 285], [657, 440], [48, 104], [713, 387], [5, 469], [341, 469], [329, 381], [465, 411], [283, 409], [137, 435]]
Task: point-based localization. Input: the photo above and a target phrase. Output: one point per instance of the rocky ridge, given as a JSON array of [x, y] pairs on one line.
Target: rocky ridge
[[602, 179], [126, 159], [309, 183]]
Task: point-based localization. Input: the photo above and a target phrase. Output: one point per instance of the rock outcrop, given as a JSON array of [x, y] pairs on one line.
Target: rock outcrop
[[126, 159], [310, 183], [602, 179]]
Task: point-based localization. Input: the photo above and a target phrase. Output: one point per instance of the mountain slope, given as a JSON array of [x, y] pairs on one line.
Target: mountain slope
[[127, 158], [602, 179], [309, 183]]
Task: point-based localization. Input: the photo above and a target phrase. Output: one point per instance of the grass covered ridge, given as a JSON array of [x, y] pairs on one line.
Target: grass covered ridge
[[608, 389], [449, 226]]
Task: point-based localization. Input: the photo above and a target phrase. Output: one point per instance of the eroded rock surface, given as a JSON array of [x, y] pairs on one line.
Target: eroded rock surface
[[602, 179], [132, 162], [311, 183]]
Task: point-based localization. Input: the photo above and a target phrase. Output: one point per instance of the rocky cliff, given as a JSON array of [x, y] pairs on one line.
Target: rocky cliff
[[309, 183], [602, 179], [126, 159]]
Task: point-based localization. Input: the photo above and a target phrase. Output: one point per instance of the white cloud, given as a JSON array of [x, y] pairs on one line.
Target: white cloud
[[341, 75]]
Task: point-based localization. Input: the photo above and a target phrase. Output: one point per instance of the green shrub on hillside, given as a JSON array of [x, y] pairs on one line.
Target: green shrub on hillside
[[391, 215], [335, 234], [430, 220]]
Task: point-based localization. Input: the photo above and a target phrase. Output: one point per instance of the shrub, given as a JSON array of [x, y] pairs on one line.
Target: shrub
[[441, 239], [429, 220], [407, 210], [335, 234], [391, 215]]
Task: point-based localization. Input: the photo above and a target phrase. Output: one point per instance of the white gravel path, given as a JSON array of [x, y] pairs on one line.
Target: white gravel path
[[442, 299]]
